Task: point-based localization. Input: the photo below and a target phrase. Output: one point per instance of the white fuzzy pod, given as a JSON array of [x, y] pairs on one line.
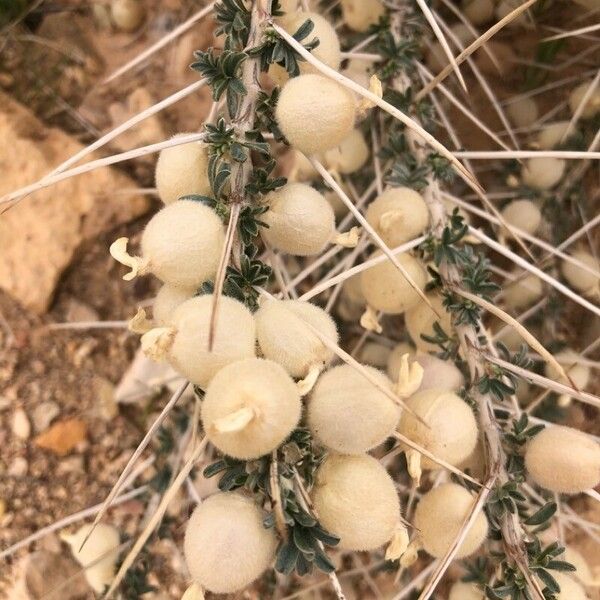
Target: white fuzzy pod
[[436, 57], [523, 214], [359, 71], [523, 112], [478, 11], [284, 336], [234, 337], [551, 135], [352, 291], [348, 414], [328, 51], [571, 362], [563, 460], [439, 517], [420, 319], [543, 173], [359, 15], [465, 591], [451, 431], [101, 548], [182, 243], [315, 113], [569, 588], [300, 221], [524, 292], [386, 289], [504, 7], [127, 15], [398, 215], [356, 500], [169, 297], [349, 155], [582, 281], [226, 546], [439, 374], [592, 106], [263, 387], [182, 170]]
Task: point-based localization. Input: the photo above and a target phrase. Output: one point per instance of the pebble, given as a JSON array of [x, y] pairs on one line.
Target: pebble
[[18, 468], [43, 414], [21, 427]]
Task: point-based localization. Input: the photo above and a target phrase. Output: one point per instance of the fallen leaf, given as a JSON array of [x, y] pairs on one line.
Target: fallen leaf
[[63, 436]]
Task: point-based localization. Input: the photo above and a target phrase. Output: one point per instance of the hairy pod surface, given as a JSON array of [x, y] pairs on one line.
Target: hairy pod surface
[[356, 500], [465, 591], [420, 320], [127, 15], [523, 214], [315, 113], [284, 336], [235, 336], [439, 517], [181, 171], [543, 173], [359, 15], [581, 280], [349, 155], [182, 243], [226, 546], [398, 215], [386, 289], [563, 460], [259, 392], [300, 220], [451, 432], [523, 292], [348, 414], [168, 298]]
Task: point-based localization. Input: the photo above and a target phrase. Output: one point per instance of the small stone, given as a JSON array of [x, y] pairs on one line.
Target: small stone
[[20, 424], [63, 436], [78, 312], [44, 414], [71, 464], [18, 467], [105, 393]]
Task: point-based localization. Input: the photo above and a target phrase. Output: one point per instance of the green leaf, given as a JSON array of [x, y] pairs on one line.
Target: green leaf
[[542, 515]]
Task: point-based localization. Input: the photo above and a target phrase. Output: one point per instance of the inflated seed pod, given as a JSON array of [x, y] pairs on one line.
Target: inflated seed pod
[[349, 155], [284, 336], [592, 106], [523, 112], [398, 215], [359, 71], [250, 407], [300, 221], [352, 291], [551, 135], [356, 500], [581, 280], [523, 214], [302, 169], [374, 354], [99, 554], [569, 588], [478, 11], [386, 289], [188, 350], [543, 173], [348, 414], [436, 57], [181, 245], [328, 51], [181, 171], [169, 297], [563, 460], [449, 430], [571, 362], [584, 572], [465, 591], [226, 546], [359, 15], [439, 517], [127, 15], [315, 113], [420, 320], [524, 292], [438, 373]]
